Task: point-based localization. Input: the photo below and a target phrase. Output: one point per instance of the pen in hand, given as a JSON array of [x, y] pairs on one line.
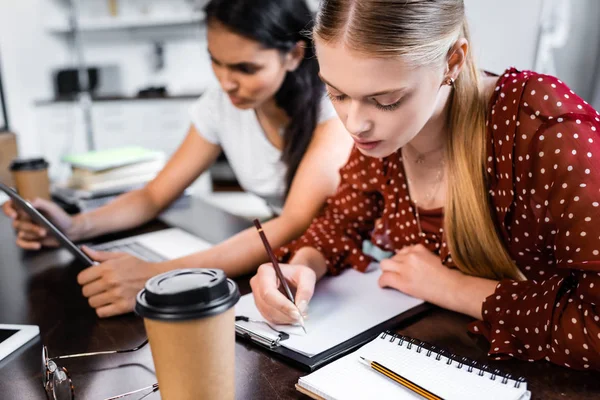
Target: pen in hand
[[282, 279]]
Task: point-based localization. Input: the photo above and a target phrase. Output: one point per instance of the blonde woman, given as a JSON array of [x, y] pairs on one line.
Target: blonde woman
[[484, 188]]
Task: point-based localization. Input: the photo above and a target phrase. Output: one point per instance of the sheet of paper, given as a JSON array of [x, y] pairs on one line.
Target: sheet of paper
[[343, 306]]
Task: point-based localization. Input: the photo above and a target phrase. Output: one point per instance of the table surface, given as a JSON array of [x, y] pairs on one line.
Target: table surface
[[40, 288]]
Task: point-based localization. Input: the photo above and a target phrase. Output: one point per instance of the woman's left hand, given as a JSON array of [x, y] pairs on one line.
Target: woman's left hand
[[418, 272], [112, 285]]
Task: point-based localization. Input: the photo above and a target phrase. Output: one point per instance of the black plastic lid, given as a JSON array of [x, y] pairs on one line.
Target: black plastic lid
[[30, 164], [187, 294]]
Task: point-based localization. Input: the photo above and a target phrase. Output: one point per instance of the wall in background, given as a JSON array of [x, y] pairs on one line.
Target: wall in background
[[578, 62], [29, 53]]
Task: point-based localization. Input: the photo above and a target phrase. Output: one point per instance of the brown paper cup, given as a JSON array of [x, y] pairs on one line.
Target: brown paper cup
[[31, 178], [194, 359], [190, 322]]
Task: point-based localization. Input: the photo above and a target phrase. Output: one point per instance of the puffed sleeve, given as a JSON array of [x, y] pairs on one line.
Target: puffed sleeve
[[553, 315], [348, 217]]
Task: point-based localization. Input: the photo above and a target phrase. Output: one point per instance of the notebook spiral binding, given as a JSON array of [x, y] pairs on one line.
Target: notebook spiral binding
[[471, 365]]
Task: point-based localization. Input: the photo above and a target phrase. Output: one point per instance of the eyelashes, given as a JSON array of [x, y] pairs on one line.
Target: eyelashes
[[387, 107], [335, 98]]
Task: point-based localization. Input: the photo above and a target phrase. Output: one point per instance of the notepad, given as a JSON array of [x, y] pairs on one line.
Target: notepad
[[342, 307], [348, 378], [102, 160]]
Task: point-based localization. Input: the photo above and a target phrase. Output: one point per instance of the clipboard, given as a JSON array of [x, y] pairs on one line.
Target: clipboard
[[273, 344]]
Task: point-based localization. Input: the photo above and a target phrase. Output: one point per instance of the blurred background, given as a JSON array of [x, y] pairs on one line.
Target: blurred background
[[146, 62]]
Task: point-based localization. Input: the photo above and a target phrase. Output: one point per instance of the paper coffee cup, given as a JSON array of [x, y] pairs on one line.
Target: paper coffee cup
[[190, 321], [31, 178]]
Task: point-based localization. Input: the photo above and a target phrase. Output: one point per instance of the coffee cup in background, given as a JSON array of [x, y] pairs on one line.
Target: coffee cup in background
[[31, 178], [189, 317]]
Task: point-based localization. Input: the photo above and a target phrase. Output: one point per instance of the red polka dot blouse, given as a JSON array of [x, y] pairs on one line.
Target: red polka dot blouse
[[543, 165]]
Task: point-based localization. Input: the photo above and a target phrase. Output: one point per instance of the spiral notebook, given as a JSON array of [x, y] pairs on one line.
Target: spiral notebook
[[447, 375]]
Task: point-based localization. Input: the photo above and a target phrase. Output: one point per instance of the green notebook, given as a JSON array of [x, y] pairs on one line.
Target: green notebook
[[105, 159]]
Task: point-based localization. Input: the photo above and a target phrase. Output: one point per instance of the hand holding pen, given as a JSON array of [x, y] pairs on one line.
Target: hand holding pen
[[277, 307]]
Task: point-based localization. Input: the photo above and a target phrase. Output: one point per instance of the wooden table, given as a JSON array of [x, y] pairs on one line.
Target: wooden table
[[40, 289]]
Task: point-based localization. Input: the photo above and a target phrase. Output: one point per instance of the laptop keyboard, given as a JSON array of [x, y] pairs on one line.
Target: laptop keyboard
[[133, 248]]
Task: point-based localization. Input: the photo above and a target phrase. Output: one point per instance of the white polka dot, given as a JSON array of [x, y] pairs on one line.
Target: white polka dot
[[558, 103]]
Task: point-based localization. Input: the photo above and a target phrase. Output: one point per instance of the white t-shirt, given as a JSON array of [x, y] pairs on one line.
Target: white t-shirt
[[254, 160]]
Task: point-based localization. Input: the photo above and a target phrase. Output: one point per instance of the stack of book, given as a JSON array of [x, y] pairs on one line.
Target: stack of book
[[115, 170]]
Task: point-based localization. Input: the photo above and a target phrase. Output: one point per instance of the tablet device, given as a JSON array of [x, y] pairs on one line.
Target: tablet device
[[14, 336], [40, 219]]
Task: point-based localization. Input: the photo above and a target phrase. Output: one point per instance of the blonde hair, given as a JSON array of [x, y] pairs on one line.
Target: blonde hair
[[422, 32]]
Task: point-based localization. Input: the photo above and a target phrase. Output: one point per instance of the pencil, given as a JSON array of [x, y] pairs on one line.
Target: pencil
[[401, 380], [282, 279]]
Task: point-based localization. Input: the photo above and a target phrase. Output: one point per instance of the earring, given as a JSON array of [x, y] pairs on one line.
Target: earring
[[449, 81]]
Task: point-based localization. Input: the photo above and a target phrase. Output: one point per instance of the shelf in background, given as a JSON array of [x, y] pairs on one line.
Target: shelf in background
[[128, 22]]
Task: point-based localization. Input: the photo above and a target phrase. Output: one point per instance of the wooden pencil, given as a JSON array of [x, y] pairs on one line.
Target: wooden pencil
[[401, 380], [277, 268]]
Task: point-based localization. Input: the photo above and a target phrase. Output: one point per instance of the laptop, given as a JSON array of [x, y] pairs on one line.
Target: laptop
[[157, 246]]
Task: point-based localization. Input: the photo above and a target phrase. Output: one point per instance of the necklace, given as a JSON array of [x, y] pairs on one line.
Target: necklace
[[429, 196], [420, 158]]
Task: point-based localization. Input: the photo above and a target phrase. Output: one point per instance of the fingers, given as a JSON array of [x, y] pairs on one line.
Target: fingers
[[30, 236], [391, 265], [273, 314], [90, 275], [28, 227], [44, 205], [95, 287], [305, 288], [27, 245], [9, 210], [101, 256], [271, 303], [113, 309], [391, 280], [101, 299]]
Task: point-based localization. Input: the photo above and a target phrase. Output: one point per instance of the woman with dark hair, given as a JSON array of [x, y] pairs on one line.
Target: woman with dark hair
[[270, 117]]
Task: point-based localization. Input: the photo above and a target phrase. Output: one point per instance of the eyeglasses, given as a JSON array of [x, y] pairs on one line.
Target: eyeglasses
[[57, 381]]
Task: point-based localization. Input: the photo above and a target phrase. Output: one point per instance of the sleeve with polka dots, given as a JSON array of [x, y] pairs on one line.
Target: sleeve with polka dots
[[554, 230], [347, 219]]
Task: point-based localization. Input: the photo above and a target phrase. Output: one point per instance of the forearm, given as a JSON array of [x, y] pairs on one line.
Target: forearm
[[125, 212], [244, 252], [465, 294], [312, 258]]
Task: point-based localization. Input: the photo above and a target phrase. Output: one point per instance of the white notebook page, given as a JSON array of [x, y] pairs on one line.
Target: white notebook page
[[349, 378], [342, 307]]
